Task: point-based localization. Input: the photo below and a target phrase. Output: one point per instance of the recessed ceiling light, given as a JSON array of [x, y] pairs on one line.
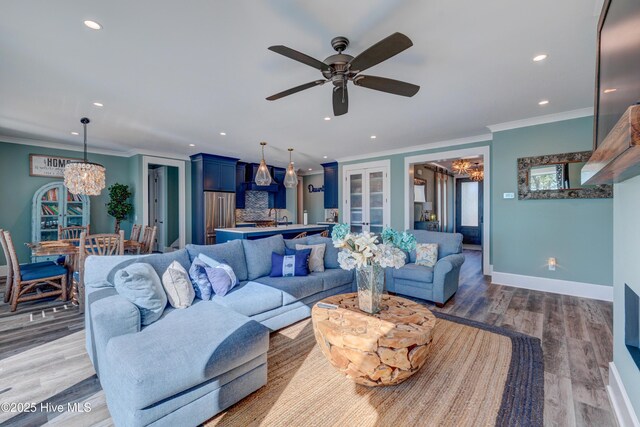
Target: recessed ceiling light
[[543, 102], [373, 137], [93, 25], [324, 157], [192, 145], [327, 118], [610, 90], [310, 169], [540, 57], [75, 133], [98, 104], [223, 133]]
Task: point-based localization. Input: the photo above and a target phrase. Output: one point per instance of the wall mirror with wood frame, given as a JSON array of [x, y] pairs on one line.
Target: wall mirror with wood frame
[[557, 176]]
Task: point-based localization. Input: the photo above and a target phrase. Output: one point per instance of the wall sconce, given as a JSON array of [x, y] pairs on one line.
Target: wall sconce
[[552, 264]]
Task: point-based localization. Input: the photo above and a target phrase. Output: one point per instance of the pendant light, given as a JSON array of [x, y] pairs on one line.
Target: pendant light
[[477, 174], [461, 167], [291, 178], [84, 177], [263, 177]]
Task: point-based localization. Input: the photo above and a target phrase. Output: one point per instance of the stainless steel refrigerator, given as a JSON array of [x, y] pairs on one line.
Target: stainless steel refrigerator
[[219, 212]]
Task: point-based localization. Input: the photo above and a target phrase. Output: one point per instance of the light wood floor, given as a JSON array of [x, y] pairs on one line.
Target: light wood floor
[[43, 360]]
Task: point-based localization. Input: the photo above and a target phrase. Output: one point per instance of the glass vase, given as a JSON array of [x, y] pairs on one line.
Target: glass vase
[[370, 280]]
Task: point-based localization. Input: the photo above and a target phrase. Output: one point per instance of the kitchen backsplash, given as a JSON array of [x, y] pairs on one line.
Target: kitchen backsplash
[[257, 208]]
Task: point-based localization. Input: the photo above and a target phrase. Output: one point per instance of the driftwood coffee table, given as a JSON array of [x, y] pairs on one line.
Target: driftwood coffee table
[[374, 350]]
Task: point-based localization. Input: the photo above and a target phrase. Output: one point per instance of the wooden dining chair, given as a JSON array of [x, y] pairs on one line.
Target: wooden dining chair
[[27, 280], [99, 245], [72, 232], [23, 267], [135, 232], [301, 235], [148, 238], [325, 233]]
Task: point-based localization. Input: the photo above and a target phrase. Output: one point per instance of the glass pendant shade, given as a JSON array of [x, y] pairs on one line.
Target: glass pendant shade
[[291, 178], [84, 177], [263, 177]]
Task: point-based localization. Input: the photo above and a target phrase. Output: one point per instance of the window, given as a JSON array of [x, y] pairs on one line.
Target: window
[[469, 204]]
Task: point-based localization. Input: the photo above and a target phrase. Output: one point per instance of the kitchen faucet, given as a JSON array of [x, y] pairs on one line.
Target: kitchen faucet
[[285, 219], [276, 211]]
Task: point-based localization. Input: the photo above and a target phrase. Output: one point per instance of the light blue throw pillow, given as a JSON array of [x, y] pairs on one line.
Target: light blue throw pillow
[[200, 280], [140, 284], [220, 274]]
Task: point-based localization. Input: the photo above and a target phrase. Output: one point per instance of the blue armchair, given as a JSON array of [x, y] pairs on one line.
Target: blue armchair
[[437, 283]]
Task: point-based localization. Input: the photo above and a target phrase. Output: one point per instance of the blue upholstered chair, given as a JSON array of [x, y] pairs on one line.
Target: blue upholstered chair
[[27, 278], [437, 283]]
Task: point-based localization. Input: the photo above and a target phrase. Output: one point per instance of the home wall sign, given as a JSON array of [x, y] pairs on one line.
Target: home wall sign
[[48, 166], [313, 189]]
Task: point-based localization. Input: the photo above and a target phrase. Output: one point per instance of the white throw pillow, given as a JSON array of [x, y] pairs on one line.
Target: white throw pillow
[[316, 259], [177, 285], [426, 254]]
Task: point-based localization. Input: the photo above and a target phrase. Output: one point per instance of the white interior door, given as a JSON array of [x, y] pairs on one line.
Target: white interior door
[[366, 199]]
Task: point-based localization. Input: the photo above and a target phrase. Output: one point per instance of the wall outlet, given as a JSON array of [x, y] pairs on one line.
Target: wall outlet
[[508, 195]]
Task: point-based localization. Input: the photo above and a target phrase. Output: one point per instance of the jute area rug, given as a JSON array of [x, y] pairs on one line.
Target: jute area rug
[[475, 375]]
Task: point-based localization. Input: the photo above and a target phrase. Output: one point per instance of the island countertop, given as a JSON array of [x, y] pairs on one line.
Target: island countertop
[[288, 231]]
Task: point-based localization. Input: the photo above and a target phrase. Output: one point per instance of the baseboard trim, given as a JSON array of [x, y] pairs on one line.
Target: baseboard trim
[[620, 402], [556, 286]]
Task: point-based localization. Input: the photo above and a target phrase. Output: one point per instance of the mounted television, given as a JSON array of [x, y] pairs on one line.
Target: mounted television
[[618, 64]]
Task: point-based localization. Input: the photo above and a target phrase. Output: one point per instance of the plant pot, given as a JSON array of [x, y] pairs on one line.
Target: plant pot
[[370, 281]]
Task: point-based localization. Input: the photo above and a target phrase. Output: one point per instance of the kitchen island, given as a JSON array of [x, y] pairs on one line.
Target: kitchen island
[[250, 233]]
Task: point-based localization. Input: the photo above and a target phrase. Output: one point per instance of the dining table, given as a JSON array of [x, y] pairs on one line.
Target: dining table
[[70, 249]]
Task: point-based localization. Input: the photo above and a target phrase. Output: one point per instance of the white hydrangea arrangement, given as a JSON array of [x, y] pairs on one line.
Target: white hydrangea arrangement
[[363, 249]]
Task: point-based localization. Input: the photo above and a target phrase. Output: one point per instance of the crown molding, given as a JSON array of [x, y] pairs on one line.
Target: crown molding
[[60, 146], [80, 149], [540, 120], [422, 147]]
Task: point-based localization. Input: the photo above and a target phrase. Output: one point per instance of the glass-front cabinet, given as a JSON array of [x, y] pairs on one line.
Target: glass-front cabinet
[[54, 205], [366, 199]]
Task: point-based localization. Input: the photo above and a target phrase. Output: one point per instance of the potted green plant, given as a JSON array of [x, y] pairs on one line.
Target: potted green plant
[[119, 206]]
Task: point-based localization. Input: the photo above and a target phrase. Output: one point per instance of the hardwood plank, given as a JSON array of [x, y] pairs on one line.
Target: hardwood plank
[[558, 402], [587, 384]]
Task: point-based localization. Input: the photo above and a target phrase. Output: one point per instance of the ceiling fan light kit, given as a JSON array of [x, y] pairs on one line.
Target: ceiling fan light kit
[[341, 68], [263, 177]]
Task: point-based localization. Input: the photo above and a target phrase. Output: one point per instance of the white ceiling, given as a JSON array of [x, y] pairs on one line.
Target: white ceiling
[[172, 73]]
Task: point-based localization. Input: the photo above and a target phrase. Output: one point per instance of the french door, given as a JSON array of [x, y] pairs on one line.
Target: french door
[[469, 209], [366, 199]]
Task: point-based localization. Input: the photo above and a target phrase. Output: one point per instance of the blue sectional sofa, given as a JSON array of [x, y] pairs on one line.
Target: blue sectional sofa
[[437, 283], [193, 363]]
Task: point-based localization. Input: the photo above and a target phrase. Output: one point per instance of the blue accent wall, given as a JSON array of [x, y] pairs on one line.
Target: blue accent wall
[[524, 234]]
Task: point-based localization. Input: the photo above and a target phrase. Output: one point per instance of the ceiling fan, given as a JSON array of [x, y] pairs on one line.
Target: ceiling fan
[[340, 68]]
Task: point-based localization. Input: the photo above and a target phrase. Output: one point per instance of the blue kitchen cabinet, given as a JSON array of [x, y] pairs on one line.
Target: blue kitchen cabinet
[[208, 173], [278, 199], [331, 181], [217, 173], [241, 171]]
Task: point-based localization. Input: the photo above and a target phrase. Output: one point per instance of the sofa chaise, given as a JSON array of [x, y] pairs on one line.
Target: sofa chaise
[[438, 283], [193, 363]]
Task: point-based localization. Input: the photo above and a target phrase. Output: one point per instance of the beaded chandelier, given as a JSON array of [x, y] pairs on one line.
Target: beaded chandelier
[[84, 177]]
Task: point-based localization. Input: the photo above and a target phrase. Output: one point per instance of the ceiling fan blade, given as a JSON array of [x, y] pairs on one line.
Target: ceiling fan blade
[[383, 84], [340, 100], [300, 57], [381, 51], [295, 90]]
